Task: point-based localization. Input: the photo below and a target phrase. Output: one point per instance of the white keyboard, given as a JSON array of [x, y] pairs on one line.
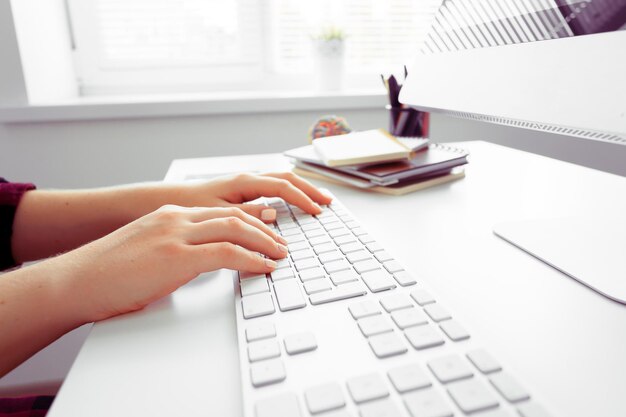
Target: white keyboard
[[341, 329]]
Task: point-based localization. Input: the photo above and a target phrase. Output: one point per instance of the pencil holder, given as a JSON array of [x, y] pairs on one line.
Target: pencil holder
[[405, 121]]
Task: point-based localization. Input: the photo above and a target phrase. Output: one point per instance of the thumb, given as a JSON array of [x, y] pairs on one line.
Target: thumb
[[266, 214]]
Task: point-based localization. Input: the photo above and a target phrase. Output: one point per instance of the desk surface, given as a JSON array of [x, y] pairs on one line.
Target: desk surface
[[564, 341]]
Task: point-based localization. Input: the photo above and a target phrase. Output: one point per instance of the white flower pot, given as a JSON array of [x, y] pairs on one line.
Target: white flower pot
[[328, 58]]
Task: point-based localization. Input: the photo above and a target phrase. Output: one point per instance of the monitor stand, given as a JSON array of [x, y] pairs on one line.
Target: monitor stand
[[591, 250]]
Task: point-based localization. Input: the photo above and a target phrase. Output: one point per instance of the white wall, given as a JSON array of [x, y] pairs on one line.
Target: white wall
[[97, 153]]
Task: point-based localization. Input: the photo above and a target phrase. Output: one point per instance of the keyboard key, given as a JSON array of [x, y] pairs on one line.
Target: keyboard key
[[343, 277], [531, 410], [437, 312], [342, 292], [324, 247], [302, 254], [260, 331], [358, 231], [483, 361], [352, 246], [294, 238], [422, 297], [383, 256], [298, 246], [364, 309], [450, 368], [324, 397], [393, 266], [374, 247], [409, 378], [254, 286], [374, 325], [336, 266], [263, 349], [378, 280], [508, 387], [366, 238], [395, 302], [423, 337], [404, 278], [307, 220], [339, 232], [317, 285], [313, 273], [367, 388], [257, 305], [310, 226], [472, 396], [380, 408], [315, 232], [330, 256], [286, 225], [387, 344], [303, 264], [300, 343], [365, 266], [333, 225], [408, 318], [267, 372], [291, 232], [249, 275], [427, 403], [281, 274], [341, 240], [329, 219], [318, 240], [288, 295], [283, 405], [454, 330], [357, 256], [282, 263], [351, 224]]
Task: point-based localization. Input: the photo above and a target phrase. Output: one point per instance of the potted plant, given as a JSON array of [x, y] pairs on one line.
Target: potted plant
[[329, 56]]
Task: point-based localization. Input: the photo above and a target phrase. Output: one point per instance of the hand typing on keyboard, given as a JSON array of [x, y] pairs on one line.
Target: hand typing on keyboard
[[135, 244]]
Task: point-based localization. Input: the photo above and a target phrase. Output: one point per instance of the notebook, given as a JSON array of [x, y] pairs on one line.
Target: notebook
[[436, 159], [400, 188], [364, 147]]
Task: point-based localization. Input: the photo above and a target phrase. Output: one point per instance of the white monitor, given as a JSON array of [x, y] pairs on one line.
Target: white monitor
[[550, 65]]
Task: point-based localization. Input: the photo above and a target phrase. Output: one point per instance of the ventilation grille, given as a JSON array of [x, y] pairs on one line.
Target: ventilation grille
[[543, 127]]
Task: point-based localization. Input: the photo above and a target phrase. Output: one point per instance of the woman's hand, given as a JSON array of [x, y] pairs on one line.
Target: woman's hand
[[154, 255], [126, 270], [51, 222], [234, 191]]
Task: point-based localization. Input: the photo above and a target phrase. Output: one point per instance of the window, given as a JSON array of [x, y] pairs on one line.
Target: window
[[130, 46]]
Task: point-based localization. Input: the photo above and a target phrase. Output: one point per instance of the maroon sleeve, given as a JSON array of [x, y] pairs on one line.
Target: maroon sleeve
[[10, 195]]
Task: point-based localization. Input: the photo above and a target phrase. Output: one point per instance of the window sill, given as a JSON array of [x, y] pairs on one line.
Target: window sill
[[117, 107]]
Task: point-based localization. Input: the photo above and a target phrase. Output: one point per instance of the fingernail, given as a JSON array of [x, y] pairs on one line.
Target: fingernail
[[270, 264], [268, 215], [281, 239], [317, 207], [282, 248]]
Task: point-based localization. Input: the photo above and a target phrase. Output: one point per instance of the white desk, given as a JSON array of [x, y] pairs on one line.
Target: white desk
[[562, 340]]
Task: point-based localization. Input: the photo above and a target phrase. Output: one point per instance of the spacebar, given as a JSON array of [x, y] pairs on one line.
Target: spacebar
[[352, 289]]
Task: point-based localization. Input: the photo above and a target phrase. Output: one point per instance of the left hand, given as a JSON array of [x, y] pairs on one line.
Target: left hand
[[234, 191]]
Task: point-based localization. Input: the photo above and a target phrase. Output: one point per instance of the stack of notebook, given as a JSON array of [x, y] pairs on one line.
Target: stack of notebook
[[376, 161]]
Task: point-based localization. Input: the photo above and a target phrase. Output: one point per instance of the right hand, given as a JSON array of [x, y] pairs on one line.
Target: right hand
[[157, 253]]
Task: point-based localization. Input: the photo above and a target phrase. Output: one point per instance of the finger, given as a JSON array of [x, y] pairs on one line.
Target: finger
[[265, 186], [309, 189], [266, 214], [212, 256], [235, 230], [203, 214]]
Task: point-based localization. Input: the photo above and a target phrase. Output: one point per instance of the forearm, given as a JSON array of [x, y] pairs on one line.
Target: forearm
[[36, 307], [51, 222]]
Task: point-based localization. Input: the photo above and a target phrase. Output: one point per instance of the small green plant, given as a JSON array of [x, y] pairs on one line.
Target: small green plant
[[330, 33]]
